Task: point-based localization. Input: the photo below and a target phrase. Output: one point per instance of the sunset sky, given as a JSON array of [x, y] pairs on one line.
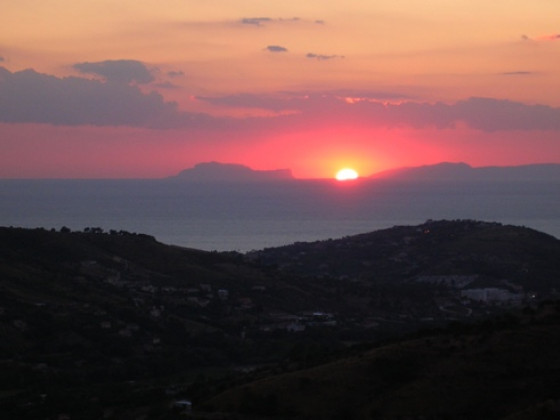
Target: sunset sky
[[136, 89]]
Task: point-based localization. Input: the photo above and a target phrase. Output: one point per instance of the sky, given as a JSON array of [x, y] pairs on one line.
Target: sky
[[145, 89]]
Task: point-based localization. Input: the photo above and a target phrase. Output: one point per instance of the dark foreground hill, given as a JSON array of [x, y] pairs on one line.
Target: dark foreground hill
[[503, 369], [117, 325]]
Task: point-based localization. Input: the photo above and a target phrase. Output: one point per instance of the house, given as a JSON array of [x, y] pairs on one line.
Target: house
[[183, 406], [223, 294]]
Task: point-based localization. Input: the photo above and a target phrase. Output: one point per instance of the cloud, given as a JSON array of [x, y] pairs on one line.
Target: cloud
[[2, 59], [490, 114], [517, 73], [256, 21], [28, 96], [276, 48], [176, 73], [119, 71], [551, 37], [300, 101], [485, 114], [166, 85], [260, 21], [386, 109], [273, 102], [322, 57]]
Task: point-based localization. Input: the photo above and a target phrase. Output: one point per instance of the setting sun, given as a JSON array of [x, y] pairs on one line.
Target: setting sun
[[346, 174]]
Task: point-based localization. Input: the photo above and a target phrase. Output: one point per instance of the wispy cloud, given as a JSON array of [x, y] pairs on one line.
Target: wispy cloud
[[518, 73], [264, 20], [551, 37], [322, 57], [256, 21]]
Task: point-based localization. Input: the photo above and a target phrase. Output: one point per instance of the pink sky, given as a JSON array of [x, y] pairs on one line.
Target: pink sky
[[145, 89]]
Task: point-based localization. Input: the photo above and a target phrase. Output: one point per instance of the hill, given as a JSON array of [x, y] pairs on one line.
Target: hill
[[503, 369], [95, 321], [117, 325], [437, 271]]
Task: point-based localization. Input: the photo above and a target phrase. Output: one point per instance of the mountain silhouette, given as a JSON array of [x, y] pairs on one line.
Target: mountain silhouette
[[230, 172], [449, 171]]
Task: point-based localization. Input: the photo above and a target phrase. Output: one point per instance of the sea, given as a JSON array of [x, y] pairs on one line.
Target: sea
[[251, 216]]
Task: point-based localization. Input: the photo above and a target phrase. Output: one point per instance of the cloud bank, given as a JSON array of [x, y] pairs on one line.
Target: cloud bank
[[486, 114], [28, 96]]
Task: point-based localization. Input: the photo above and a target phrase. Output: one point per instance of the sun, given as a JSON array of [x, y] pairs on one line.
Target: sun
[[346, 174]]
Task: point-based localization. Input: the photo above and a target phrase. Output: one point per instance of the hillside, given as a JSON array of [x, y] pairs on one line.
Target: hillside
[[504, 369], [116, 324], [116, 315], [438, 271]]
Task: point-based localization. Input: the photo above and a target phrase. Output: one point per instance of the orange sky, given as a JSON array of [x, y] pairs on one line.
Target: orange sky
[[146, 89]]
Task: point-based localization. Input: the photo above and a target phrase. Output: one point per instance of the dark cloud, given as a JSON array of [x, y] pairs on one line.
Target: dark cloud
[[119, 71], [28, 96], [276, 48], [1, 59], [320, 22], [322, 57]]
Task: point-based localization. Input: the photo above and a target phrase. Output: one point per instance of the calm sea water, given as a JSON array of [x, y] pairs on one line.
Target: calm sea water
[[244, 217]]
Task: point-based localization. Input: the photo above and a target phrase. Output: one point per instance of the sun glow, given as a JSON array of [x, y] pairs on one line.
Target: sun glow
[[346, 174]]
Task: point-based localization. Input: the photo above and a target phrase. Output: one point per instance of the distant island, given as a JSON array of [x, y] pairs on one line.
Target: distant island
[[230, 172], [443, 171], [450, 171]]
